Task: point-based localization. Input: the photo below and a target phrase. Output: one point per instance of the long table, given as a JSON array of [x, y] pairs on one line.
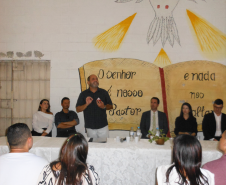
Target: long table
[[119, 163]]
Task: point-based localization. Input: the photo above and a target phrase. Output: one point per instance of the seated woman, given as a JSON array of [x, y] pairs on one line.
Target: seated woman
[[42, 123], [71, 168], [185, 170], [186, 122]]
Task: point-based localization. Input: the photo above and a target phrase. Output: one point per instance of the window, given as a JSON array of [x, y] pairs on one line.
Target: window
[[22, 86]]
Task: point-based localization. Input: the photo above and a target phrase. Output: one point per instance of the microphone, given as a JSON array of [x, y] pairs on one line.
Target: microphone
[[122, 139]]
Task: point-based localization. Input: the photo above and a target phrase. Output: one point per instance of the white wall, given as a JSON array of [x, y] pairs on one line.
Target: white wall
[[63, 31]]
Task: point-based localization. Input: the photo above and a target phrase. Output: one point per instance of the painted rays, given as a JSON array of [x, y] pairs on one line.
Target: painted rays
[[111, 39]]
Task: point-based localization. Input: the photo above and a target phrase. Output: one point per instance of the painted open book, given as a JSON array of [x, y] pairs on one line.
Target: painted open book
[[132, 83]]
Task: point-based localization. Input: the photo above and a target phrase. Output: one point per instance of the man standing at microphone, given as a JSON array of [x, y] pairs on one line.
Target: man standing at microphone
[[94, 102]]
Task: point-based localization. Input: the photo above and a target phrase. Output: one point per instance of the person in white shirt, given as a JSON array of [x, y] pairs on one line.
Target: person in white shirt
[[186, 168], [43, 119], [71, 167], [19, 167], [214, 124]]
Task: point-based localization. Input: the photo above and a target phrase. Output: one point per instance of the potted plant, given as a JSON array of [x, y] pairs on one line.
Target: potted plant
[[158, 136]]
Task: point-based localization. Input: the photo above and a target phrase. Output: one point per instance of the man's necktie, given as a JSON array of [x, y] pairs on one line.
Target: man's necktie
[[154, 122]]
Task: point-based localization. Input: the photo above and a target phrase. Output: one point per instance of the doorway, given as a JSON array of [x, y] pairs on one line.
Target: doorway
[[23, 83]]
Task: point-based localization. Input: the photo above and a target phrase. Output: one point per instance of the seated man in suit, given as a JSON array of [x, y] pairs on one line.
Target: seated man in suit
[[153, 119], [214, 124]]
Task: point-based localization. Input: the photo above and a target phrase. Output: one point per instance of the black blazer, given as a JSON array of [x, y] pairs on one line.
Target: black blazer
[[209, 125], [182, 125], [146, 122]]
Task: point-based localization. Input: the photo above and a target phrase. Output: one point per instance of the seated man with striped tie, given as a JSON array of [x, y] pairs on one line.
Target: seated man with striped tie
[[153, 119]]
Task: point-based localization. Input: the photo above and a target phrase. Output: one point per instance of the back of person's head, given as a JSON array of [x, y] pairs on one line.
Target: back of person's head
[[187, 158], [17, 135], [190, 109], [73, 157], [218, 102]]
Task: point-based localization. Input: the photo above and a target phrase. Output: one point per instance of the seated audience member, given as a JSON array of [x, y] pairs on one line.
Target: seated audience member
[[214, 124], [71, 168], [218, 167], [187, 157], [153, 119], [42, 123], [19, 167], [186, 122], [66, 120]]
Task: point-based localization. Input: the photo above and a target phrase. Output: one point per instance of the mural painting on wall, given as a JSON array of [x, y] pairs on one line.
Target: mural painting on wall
[[163, 25], [111, 39], [131, 83], [162, 59], [10, 54], [212, 42]]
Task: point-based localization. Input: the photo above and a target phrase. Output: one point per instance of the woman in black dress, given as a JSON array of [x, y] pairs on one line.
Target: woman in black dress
[[186, 122]]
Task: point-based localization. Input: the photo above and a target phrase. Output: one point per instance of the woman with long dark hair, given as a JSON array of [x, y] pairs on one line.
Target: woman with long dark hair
[[186, 122], [71, 168], [185, 170], [42, 122]]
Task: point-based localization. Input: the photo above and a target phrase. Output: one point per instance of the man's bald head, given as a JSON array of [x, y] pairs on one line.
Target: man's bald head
[[92, 81], [91, 76]]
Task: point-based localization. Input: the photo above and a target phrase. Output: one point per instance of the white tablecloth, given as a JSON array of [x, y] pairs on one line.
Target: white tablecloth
[[119, 163]]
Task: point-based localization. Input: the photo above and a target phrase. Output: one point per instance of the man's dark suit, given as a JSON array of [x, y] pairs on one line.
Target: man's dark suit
[[209, 125], [146, 122]]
